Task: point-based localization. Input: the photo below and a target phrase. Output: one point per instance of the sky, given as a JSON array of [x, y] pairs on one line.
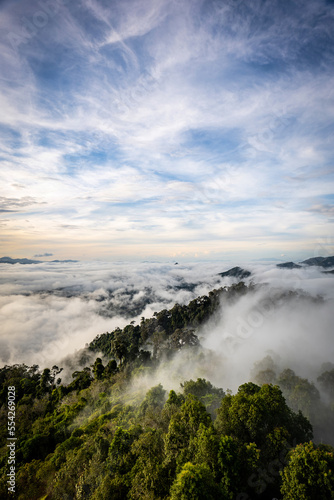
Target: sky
[[141, 129]]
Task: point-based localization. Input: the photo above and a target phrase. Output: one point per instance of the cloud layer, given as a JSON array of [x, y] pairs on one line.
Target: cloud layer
[[48, 311]]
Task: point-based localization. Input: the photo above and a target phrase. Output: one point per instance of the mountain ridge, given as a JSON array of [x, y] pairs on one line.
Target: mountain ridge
[[324, 262], [24, 261]]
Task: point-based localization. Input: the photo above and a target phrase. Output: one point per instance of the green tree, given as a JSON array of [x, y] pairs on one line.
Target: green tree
[[260, 415], [299, 392], [309, 474], [235, 464], [209, 395], [205, 445], [82, 379], [254, 412], [98, 369], [111, 368], [119, 345], [195, 482], [183, 427], [149, 476], [154, 398]]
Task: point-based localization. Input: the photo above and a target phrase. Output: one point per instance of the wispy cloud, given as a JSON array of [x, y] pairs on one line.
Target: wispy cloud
[[165, 120]]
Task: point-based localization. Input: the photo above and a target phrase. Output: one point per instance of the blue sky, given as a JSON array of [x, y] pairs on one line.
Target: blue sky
[[166, 129]]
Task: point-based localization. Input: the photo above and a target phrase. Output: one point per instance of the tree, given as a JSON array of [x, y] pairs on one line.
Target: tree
[[120, 461], [149, 478], [82, 379], [260, 415], [326, 380], [299, 392], [182, 338], [205, 445], [264, 371], [119, 345], [121, 458], [309, 474], [154, 398], [183, 427], [235, 463], [98, 369], [201, 388], [111, 368], [209, 395], [158, 340], [195, 482], [254, 412]]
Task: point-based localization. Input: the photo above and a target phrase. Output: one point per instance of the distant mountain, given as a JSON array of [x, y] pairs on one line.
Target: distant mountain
[[236, 272], [320, 261], [288, 265], [313, 261], [9, 260]]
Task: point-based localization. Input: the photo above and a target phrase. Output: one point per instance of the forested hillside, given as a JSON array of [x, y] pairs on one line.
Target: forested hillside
[[102, 436]]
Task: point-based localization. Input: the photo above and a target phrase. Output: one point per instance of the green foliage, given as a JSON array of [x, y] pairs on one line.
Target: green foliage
[[182, 430], [111, 368], [195, 482], [253, 414], [149, 476], [309, 474], [235, 464], [96, 438], [209, 395], [154, 398], [300, 393], [205, 448], [174, 399], [121, 458], [98, 369], [39, 446], [168, 329], [261, 416], [82, 379]]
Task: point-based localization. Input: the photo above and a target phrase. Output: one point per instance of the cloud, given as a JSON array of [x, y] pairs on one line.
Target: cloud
[[323, 209], [170, 112], [16, 204], [263, 324], [50, 310]]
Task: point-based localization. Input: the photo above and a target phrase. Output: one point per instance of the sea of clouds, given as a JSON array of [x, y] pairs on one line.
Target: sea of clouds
[[51, 310]]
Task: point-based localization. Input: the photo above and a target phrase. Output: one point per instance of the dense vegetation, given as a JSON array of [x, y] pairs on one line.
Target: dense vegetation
[[100, 437]]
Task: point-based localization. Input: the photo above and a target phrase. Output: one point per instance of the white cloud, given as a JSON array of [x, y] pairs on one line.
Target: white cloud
[[50, 310], [177, 110]]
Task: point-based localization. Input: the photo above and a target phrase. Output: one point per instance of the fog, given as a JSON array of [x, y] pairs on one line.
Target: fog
[[297, 332], [51, 310]]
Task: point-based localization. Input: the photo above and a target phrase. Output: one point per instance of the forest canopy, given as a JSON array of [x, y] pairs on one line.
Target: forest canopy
[[100, 435]]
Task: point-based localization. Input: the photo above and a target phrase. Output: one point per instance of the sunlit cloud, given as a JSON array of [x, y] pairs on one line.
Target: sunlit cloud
[[163, 124]]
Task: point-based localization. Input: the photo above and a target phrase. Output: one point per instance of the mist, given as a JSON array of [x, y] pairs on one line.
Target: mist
[[295, 331], [50, 311]]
